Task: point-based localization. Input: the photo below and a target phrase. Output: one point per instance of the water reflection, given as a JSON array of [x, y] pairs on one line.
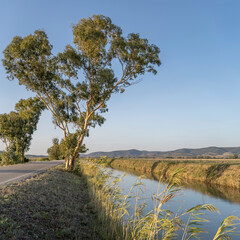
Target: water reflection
[[226, 193], [225, 199]]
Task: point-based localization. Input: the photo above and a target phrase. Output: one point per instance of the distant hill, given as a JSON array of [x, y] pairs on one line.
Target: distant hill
[[35, 156], [218, 152]]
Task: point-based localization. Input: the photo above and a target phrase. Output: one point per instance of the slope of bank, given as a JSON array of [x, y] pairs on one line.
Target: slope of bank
[[54, 205], [223, 173]]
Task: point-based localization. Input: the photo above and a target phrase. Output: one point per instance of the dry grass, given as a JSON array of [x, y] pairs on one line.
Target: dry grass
[[222, 172], [57, 205], [54, 205], [159, 223]]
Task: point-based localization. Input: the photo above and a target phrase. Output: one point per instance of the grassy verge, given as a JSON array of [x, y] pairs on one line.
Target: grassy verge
[[218, 172], [54, 205], [88, 204]]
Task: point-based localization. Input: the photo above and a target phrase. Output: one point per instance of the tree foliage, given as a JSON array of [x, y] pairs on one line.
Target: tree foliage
[[17, 128], [54, 152], [76, 84]]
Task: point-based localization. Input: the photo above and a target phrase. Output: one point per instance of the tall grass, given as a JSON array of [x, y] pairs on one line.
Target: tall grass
[[160, 223]]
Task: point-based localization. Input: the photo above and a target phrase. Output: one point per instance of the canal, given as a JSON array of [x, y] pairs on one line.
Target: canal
[[226, 200]]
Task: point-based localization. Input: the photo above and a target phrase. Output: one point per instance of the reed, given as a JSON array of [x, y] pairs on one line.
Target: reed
[[115, 222], [221, 172]]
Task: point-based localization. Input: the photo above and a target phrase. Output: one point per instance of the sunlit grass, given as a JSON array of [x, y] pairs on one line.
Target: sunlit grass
[[221, 172], [53, 205], [160, 223]]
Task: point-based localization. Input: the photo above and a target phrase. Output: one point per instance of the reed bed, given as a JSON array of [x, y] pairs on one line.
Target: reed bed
[[221, 172], [116, 222]]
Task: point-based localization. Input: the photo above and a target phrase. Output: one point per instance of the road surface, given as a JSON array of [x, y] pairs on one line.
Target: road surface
[[18, 172]]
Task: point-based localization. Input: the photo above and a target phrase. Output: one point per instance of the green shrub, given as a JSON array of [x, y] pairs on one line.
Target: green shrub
[[9, 157], [42, 159]]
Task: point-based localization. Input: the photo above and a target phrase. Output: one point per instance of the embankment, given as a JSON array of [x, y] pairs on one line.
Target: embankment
[[222, 173]]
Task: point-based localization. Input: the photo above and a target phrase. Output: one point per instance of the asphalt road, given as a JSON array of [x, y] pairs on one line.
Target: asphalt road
[[18, 172]]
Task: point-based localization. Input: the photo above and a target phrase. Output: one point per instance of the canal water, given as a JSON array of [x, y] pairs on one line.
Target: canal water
[[189, 196]]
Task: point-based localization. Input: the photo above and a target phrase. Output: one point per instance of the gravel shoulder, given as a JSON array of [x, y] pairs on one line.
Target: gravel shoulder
[[53, 205]]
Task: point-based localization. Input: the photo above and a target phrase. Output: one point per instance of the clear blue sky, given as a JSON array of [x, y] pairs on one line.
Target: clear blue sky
[[192, 102]]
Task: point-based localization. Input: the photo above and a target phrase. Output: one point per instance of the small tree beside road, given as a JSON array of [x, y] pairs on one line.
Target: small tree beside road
[[54, 152], [17, 128]]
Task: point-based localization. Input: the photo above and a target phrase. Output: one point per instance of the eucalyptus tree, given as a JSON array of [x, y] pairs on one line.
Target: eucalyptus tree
[[76, 84], [28, 111], [9, 129], [17, 127]]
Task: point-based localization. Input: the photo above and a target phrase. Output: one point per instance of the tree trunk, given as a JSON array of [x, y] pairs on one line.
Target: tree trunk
[[76, 152], [71, 163], [22, 157], [67, 160], [66, 154]]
